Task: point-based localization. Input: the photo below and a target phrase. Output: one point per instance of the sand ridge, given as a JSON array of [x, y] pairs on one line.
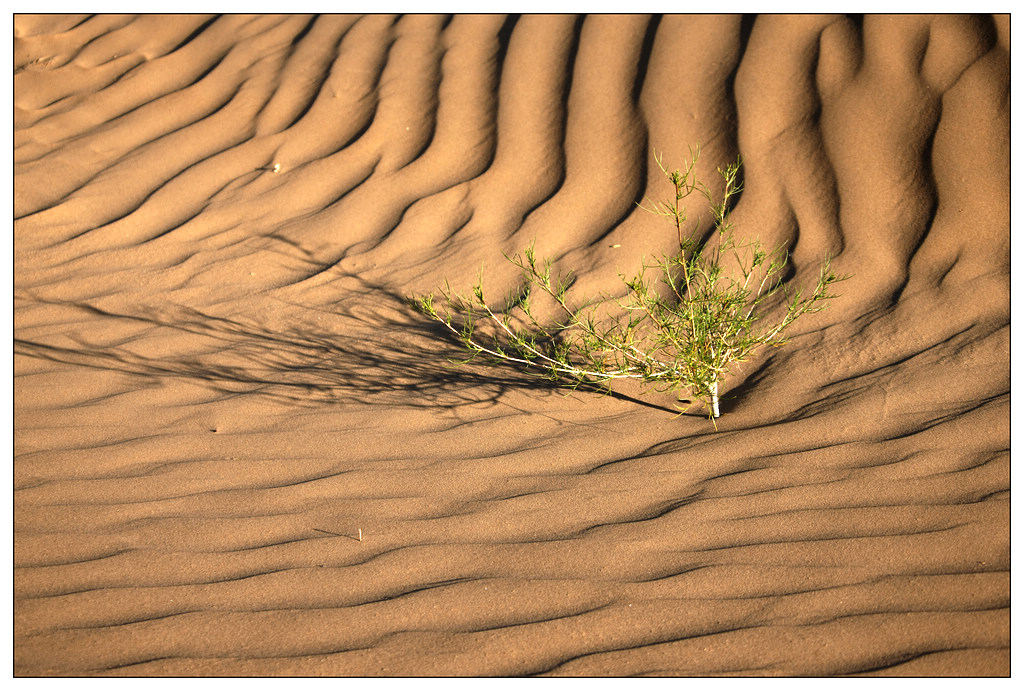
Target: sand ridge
[[238, 452]]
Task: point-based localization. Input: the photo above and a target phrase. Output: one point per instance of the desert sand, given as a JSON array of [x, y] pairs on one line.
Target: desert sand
[[237, 451]]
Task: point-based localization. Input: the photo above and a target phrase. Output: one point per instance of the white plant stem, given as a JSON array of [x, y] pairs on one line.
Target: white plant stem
[[714, 399]]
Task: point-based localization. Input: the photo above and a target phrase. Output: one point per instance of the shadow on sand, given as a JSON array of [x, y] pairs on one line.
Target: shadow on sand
[[376, 351]]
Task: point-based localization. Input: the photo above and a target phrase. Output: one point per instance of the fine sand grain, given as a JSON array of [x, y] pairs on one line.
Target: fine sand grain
[[237, 451]]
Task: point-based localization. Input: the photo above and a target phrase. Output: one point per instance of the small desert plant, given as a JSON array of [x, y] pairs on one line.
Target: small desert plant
[[684, 330]]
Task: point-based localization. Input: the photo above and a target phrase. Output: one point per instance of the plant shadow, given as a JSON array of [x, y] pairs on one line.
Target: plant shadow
[[374, 350]]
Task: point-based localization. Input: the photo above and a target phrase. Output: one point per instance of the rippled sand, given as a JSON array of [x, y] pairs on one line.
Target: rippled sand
[[238, 452]]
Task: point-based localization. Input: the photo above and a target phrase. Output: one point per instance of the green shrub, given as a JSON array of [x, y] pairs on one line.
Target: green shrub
[[683, 330]]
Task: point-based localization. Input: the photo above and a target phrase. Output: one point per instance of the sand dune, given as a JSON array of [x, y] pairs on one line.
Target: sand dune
[[237, 451]]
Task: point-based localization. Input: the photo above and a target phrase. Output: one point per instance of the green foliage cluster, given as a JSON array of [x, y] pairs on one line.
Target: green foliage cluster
[[684, 328]]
